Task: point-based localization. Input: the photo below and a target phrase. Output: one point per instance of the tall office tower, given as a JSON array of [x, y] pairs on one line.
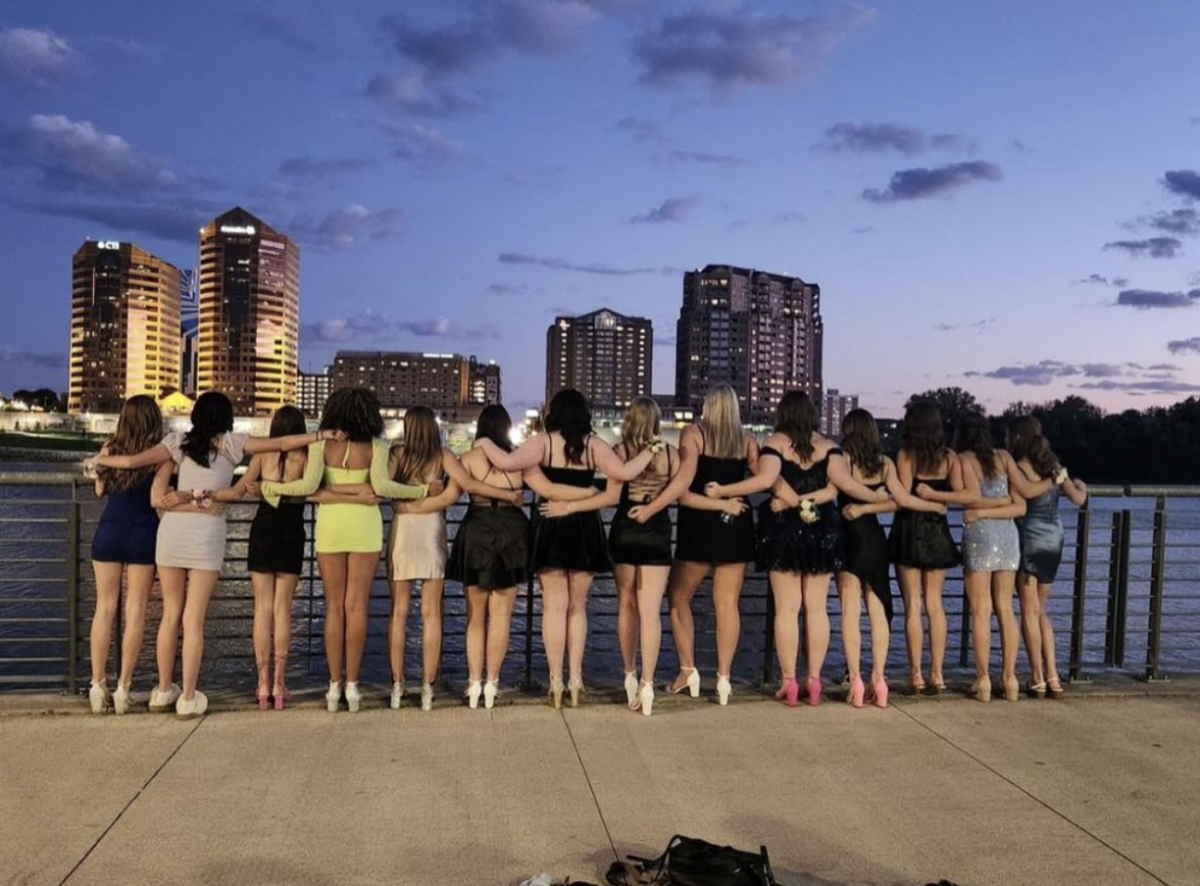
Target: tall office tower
[[759, 332], [604, 355], [124, 326], [401, 379], [249, 313], [312, 390], [189, 332], [834, 409], [484, 385]]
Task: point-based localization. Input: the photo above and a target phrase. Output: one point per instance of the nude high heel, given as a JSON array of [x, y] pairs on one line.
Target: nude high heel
[[575, 688], [724, 689], [691, 684], [982, 690], [1012, 688], [631, 689], [556, 693], [646, 697]]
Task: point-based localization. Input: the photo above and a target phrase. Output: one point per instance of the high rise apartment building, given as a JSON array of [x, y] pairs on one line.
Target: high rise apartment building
[[833, 411], [756, 331], [312, 390], [125, 322], [189, 332], [606, 356], [443, 382], [249, 313]]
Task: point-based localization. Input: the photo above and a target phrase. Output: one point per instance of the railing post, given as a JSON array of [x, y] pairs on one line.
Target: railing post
[[1083, 527], [73, 590], [1157, 580], [1118, 587]]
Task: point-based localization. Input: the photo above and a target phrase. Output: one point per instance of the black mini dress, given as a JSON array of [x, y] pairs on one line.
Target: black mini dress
[[703, 536], [785, 542], [575, 542], [922, 539], [867, 551], [641, 544], [491, 548]]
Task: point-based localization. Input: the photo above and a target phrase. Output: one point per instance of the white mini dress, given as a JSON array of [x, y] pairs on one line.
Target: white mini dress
[[195, 540]]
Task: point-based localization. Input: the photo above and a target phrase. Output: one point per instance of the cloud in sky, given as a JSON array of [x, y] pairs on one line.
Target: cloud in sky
[[423, 144], [1147, 299], [1154, 247], [642, 130], [724, 161], [876, 137], [1104, 376], [35, 57], [411, 92], [730, 48], [919, 183], [1184, 346], [47, 360], [1183, 183], [1101, 280], [308, 167], [558, 264], [978, 325], [673, 209], [371, 326], [1184, 222], [344, 228]]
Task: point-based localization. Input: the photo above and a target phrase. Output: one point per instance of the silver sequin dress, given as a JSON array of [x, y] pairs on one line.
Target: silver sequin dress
[[992, 545]]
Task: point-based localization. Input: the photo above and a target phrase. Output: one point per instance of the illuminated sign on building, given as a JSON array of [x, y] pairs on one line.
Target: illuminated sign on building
[[108, 244], [237, 229]]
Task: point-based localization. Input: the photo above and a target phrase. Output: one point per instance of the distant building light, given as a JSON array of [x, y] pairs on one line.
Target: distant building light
[[108, 244], [237, 229]]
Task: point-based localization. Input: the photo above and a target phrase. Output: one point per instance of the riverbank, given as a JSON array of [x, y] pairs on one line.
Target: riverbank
[[1071, 793]]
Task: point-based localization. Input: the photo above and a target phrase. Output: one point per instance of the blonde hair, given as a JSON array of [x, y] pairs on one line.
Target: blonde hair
[[721, 422], [643, 421]]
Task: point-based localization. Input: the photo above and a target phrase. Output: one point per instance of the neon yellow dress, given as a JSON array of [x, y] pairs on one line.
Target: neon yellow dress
[[345, 528]]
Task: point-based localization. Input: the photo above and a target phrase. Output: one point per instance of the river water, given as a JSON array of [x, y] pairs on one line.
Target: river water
[[34, 610]]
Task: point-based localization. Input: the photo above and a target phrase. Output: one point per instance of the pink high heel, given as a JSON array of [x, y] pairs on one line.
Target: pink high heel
[[879, 691], [857, 692], [813, 684], [264, 702], [789, 691], [281, 696]]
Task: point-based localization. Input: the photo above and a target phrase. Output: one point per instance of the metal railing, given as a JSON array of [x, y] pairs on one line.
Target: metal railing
[[1128, 600]]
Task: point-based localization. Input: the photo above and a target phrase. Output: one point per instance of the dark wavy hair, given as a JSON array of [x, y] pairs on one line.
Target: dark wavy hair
[[570, 415], [286, 421], [356, 411], [1025, 441], [860, 440], [139, 427], [974, 435], [212, 416], [923, 436], [495, 424], [796, 418]]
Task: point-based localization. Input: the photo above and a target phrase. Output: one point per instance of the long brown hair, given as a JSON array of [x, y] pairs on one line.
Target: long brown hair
[[422, 449], [924, 437], [1025, 441], [286, 421], [643, 421], [139, 427], [860, 440], [796, 418], [973, 435]]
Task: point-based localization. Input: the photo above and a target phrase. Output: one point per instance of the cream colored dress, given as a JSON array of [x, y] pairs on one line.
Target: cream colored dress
[[194, 540]]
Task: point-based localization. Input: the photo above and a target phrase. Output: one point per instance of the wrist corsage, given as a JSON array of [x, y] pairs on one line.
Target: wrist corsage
[[202, 498], [808, 511], [1060, 476], [655, 445]]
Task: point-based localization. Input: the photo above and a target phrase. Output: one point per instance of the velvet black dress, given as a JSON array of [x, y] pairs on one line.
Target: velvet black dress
[[785, 542]]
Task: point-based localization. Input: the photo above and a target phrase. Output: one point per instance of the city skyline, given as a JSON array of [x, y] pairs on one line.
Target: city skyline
[[1015, 221]]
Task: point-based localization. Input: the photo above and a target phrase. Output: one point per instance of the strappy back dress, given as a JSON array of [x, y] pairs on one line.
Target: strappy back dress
[[575, 542], [785, 542], [649, 543], [702, 536], [491, 547], [345, 528], [922, 539], [867, 551], [277, 536]]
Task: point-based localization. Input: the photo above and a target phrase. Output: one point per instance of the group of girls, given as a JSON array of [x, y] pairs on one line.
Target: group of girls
[[819, 521]]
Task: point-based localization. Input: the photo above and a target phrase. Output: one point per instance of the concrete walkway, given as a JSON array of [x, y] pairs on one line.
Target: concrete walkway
[[1095, 791]]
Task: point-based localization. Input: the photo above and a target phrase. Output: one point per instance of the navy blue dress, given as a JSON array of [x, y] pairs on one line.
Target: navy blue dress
[[128, 528]]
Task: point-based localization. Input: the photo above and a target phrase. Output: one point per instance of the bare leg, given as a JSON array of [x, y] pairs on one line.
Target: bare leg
[[881, 636], [264, 612], [173, 582], [727, 590], [1003, 587], [1049, 654], [1031, 621], [850, 591], [682, 585], [477, 631], [555, 600], [500, 609], [788, 592], [431, 627], [626, 578], [138, 582], [333, 578], [980, 601], [816, 621], [285, 593], [651, 586], [398, 627], [909, 578], [108, 596], [579, 584], [200, 587], [360, 575], [935, 580]]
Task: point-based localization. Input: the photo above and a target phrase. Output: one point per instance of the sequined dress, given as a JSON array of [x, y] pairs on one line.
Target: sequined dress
[[992, 545], [785, 542]]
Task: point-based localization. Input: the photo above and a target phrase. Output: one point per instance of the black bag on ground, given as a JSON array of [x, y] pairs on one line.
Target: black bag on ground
[[688, 861]]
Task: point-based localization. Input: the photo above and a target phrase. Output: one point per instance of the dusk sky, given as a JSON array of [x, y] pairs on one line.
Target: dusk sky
[[1000, 196]]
